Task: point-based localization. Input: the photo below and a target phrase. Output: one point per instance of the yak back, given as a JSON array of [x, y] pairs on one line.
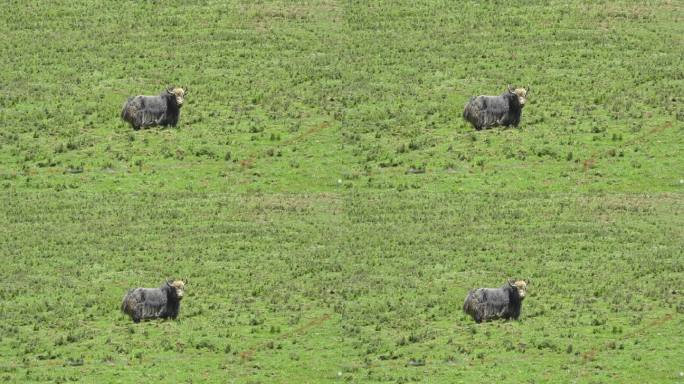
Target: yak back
[[164, 103], [505, 295], [505, 103]]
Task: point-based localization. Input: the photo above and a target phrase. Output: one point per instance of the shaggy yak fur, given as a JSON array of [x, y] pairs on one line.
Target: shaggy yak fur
[[484, 304], [491, 111], [152, 303], [148, 111]]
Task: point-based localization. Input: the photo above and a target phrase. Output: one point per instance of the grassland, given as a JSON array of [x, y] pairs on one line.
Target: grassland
[[326, 201]]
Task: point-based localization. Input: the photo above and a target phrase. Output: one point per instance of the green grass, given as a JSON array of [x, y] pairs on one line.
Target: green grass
[[325, 199], [305, 286]]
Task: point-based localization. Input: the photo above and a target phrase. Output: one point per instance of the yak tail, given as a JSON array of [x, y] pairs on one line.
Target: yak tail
[[126, 306], [469, 104], [471, 113], [124, 303], [128, 112], [469, 305], [124, 110], [131, 114], [473, 307], [466, 109]]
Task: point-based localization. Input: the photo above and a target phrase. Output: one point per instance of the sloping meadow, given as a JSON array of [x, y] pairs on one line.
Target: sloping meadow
[[358, 286], [295, 97], [325, 201]]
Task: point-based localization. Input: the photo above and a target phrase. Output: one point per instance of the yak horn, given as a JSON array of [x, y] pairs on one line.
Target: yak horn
[[510, 90]]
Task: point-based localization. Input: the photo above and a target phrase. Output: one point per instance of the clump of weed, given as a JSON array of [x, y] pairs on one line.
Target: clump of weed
[[180, 154], [205, 152]]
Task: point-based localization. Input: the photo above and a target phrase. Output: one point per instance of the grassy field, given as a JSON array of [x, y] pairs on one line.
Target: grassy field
[[327, 203]]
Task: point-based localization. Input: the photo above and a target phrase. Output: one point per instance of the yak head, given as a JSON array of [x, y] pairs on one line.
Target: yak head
[[178, 286], [520, 285], [521, 93], [179, 94]]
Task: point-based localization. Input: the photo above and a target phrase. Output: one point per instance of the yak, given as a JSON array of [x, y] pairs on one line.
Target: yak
[[152, 303], [491, 111], [149, 111], [484, 304]]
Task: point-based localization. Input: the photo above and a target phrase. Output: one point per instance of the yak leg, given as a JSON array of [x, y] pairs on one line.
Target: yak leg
[[137, 313], [491, 313], [502, 312], [159, 120], [137, 122], [499, 121], [141, 118], [161, 312], [147, 121], [487, 120], [478, 316], [481, 314]]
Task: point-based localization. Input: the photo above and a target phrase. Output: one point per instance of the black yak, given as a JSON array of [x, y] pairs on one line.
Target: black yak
[[491, 111], [485, 304], [152, 303], [148, 111]]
